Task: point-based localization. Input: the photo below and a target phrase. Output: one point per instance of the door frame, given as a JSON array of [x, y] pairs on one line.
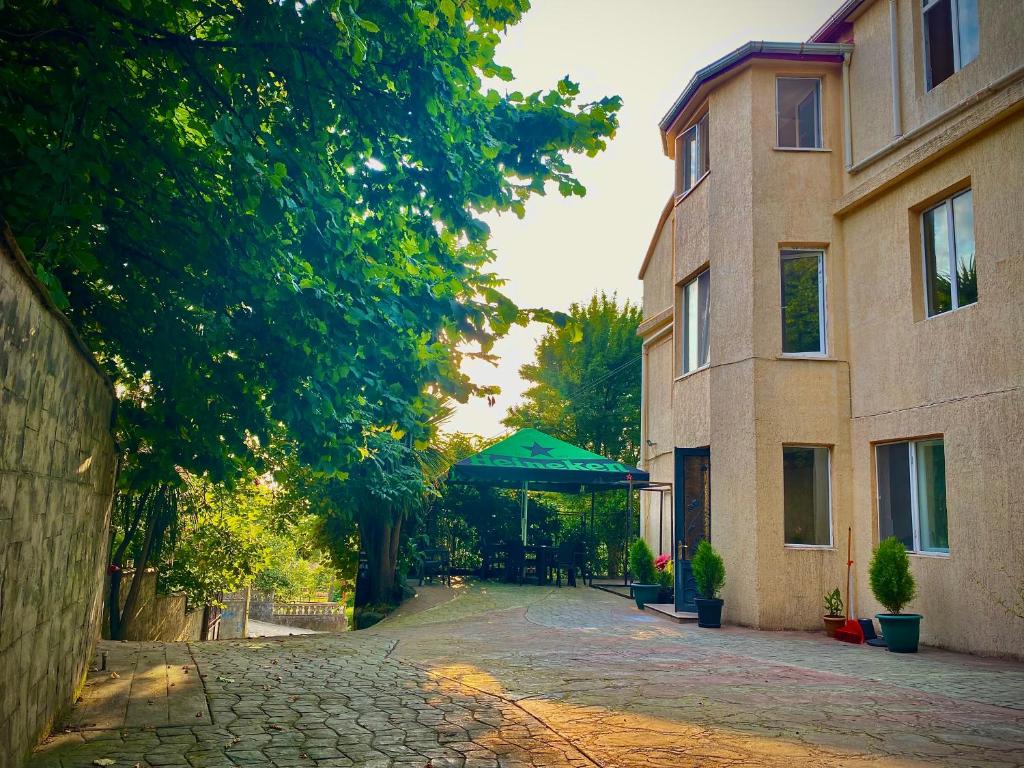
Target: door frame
[[685, 589]]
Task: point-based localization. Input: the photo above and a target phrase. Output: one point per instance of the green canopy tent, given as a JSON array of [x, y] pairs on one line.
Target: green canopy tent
[[530, 459]]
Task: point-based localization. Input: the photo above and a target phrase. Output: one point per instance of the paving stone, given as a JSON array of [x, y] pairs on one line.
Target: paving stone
[[530, 677]]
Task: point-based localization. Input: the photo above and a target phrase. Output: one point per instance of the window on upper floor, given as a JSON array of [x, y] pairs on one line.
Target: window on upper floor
[[695, 318], [807, 496], [911, 479], [693, 156], [947, 231], [950, 37], [798, 112], [803, 302]]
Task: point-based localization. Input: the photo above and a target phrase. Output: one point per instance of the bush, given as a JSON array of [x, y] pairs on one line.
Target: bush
[[892, 583], [663, 566], [641, 563], [708, 570]]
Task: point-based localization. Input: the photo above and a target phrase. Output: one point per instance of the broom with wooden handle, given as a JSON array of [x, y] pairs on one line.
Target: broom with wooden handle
[[851, 631]]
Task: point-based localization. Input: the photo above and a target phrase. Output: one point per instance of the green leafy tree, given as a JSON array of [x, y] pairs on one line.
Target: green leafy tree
[[264, 214], [889, 574], [708, 570], [641, 563], [585, 389]]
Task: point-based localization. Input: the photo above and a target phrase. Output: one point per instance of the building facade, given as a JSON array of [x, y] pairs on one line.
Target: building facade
[[834, 318]]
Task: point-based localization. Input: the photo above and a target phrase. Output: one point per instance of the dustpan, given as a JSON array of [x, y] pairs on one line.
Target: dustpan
[[851, 631]]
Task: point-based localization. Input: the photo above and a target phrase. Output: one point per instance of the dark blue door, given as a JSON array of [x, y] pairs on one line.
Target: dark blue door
[[692, 517]]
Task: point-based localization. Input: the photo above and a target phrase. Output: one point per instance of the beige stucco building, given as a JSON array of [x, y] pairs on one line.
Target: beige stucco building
[[834, 317]]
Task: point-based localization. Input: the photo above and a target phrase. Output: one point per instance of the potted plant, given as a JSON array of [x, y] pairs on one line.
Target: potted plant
[[893, 586], [709, 575], [833, 617], [641, 565], [663, 571]]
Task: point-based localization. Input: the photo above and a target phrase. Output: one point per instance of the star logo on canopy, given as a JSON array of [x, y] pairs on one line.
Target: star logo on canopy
[[538, 450]]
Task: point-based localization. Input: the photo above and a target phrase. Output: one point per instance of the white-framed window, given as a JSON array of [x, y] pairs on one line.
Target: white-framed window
[[798, 112], [803, 302], [693, 156], [911, 478], [696, 302], [950, 37], [947, 235], [807, 495]]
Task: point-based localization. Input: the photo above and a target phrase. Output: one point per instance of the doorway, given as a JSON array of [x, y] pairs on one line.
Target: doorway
[[692, 518]]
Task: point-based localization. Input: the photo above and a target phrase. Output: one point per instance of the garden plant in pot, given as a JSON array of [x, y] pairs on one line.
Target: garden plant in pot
[[709, 575], [664, 576], [645, 576], [833, 617], [893, 586]]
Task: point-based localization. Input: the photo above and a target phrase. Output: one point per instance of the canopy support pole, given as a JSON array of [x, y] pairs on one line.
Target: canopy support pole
[[524, 511], [591, 542]]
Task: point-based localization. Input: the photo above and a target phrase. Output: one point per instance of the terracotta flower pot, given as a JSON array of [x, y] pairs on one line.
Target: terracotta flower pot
[[832, 623]]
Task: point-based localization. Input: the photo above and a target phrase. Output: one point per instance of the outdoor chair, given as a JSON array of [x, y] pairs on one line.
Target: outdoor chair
[[515, 562], [566, 558], [435, 562]]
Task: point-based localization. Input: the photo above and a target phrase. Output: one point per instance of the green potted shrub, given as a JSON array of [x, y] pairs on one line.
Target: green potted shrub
[[645, 579], [709, 575], [833, 617], [893, 586]]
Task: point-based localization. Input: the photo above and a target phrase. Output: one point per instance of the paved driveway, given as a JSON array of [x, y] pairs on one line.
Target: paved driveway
[[507, 676]]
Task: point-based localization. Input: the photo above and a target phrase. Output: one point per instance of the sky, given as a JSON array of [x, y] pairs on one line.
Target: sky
[[566, 249]]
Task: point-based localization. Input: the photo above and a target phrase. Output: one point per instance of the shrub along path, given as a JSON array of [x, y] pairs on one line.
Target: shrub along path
[[504, 676]]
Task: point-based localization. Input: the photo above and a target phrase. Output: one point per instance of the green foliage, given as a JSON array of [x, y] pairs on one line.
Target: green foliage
[[892, 583], [232, 537], [708, 570], [264, 214], [585, 389], [833, 603], [665, 578], [641, 563]]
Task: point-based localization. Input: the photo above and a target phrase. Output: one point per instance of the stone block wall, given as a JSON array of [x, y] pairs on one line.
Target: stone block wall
[[164, 618], [57, 468]]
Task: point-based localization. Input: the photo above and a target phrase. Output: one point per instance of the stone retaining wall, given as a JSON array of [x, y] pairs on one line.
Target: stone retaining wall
[[57, 467], [165, 618]]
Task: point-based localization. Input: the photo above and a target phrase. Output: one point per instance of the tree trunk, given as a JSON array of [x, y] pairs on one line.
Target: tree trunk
[[379, 539], [132, 599]]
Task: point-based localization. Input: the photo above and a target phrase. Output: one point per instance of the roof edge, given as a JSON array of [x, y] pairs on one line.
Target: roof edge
[[746, 51], [832, 25], [665, 211]]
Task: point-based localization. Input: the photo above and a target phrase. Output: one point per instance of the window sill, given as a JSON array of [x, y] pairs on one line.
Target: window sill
[[949, 312], [802, 149], [683, 195], [819, 547], [688, 374], [930, 555], [804, 356]]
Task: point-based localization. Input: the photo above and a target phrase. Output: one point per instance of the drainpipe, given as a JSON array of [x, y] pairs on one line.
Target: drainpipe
[[643, 406], [847, 120], [894, 55]]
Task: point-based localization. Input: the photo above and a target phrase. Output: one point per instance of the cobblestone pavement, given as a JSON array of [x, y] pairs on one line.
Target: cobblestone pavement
[[524, 676]]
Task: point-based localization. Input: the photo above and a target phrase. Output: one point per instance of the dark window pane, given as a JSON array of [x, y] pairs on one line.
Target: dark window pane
[[801, 302], [963, 237], [689, 159], [931, 495], [892, 466], [806, 507], [967, 29], [704, 317], [936, 260], [705, 145], [938, 33], [807, 120]]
